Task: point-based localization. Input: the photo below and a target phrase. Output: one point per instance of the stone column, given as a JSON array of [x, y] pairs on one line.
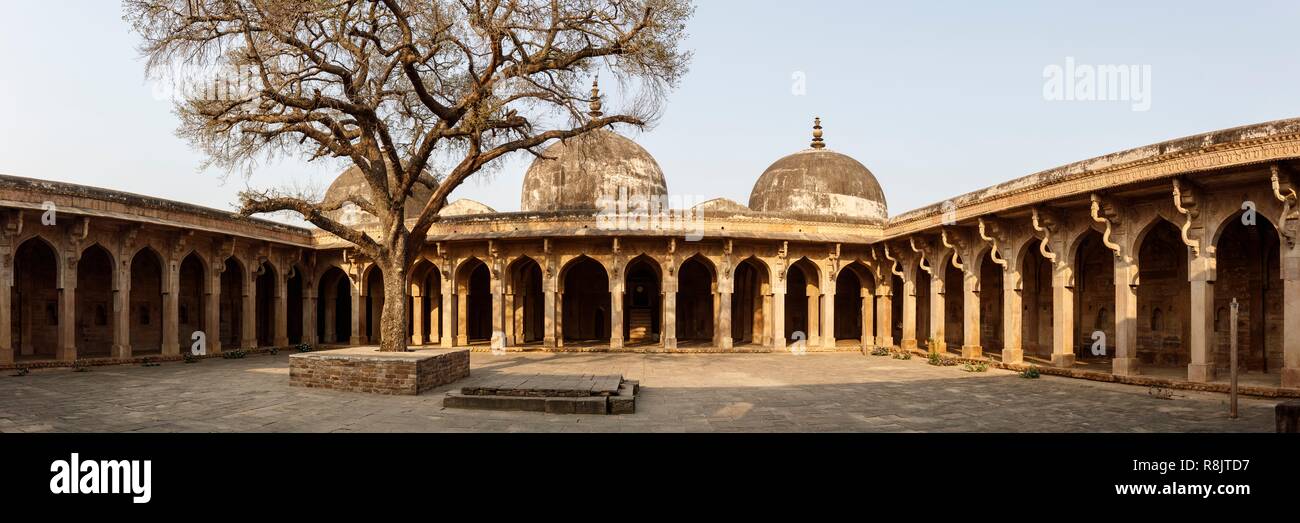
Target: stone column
[[1201, 274], [868, 317], [1062, 315], [448, 306], [550, 307], [514, 319], [122, 312], [828, 315], [211, 311], [668, 323], [766, 323], [1291, 317], [970, 307], [813, 336], [309, 313], [280, 311], [1125, 362], [778, 316], [359, 336], [171, 292], [417, 316], [498, 313], [885, 317], [723, 328], [1012, 321], [937, 314], [909, 314], [6, 301], [616, 313], [249, 338], [67, 333], [462, 317]]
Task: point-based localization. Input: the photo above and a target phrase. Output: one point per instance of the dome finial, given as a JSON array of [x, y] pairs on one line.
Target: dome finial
[[595, 99], [817, 142]]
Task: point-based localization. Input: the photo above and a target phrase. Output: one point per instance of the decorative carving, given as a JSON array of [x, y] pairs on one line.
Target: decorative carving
[[956, 261], [1045, 223], [1106, 214], [990, 232], [1286, 194], [894, 262], [921, 259], [1186, 203]]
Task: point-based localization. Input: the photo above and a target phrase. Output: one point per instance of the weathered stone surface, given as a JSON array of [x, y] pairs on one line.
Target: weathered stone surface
[[365, 369], [1288, 417]]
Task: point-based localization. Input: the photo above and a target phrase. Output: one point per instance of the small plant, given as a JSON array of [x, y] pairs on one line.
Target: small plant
[[80, 366], [21, 372], [304, 347], [234, 354], [977, 367], [880, 351], [191, 358], [149, 362], [1030, 373], [935, 359], [902, 355], [274, 351], [1161, 393]]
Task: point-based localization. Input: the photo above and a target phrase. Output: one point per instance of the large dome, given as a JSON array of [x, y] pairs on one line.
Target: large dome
[[574, 174], [352, 182], [820, 182]]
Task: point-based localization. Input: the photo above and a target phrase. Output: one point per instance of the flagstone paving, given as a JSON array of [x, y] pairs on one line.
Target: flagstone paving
[[832, 392]]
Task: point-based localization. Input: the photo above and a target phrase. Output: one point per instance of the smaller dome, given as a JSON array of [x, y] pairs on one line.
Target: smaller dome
[[465, 207], [353, 182], [721, 205], [820, 182], [576, 173]]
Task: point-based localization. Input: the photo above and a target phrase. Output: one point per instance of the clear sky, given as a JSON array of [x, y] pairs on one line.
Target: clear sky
[[936, 98]]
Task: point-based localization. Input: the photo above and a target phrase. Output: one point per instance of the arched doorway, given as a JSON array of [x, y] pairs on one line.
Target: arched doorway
[[991, 303], [424, 313], [334, 307], [146, 302], [1163, 298], [642, 302], [897, 288], [586, 302], [35, 310], [95, 303], [264, 307], [474, 303], [695, 294], [526, 303], [922, 291], [954, 302], [293, 305], [190, 306], [853, 288], [232, 305], [1249, 270], [1036, 302], [803, 303], [1094, 300], [750, 304]]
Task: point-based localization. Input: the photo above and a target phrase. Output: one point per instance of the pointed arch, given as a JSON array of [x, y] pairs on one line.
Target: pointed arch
[[191, 305], [643, 300], [36, 300], [146, 302], [334, 306], [697, 286], [96, 281], [525, 302], [586, 302], [1163, 294], [751, 303]]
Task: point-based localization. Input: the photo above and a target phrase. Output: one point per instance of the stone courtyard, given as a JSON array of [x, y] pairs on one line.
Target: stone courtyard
[[778, 392]]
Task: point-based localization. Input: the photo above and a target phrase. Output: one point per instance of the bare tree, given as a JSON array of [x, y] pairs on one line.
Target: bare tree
[[413, 92]]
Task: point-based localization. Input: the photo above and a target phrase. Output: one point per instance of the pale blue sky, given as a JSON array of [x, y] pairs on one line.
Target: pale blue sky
[[936, 98]]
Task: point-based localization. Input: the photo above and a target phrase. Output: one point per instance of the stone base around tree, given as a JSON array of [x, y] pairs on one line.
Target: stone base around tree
[[551, 394], [365, 369]]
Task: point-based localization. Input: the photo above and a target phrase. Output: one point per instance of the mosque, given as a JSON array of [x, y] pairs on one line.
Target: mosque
[[1126, 263]]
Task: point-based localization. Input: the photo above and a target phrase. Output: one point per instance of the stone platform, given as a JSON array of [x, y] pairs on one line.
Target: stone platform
[[549, 393], [365, 369]]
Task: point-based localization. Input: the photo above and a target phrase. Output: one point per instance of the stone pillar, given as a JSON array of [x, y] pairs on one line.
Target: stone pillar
[[448, 306], [723, 328], [435, 318], [668, 323], [1125, 362], [514, 319], [122, 312], [1062, 315], [308, 313], [417, 316], [868, 317], [248, 340], [549, 308], [462, 317], [778, 317], [280, 310], [211, 311], [1291, 317], [171, 292], [6, 301], [909, 314], [767, 321], [813, 336], [885, 317], [970, 307], [1201, 274], [828, 315], [67, 333], [937, 314], [359, 327], [1012, 320], [616, 313], [498, 313]]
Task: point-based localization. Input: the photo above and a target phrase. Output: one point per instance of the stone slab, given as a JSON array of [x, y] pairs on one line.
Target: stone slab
[[365, 369]]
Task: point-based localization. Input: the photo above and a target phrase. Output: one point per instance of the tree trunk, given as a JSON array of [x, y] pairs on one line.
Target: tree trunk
[[392, 324]]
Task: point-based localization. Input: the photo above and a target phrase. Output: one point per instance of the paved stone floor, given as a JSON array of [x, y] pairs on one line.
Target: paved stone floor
[[681, 393]]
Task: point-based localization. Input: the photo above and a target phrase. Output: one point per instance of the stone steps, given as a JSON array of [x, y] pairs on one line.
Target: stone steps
[[592, 395]]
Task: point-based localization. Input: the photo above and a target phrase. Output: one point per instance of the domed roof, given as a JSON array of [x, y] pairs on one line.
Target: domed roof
[[820, 182], [466, 207], [352, 182], [574, 174]]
